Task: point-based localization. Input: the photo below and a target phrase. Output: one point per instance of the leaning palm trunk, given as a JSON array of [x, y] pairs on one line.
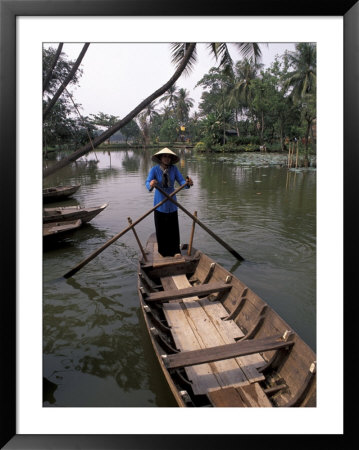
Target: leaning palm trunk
[[105, 135], [49, 74], [66, 81]]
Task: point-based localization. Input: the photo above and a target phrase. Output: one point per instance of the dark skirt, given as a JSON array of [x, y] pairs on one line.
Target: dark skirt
[[167, 232]]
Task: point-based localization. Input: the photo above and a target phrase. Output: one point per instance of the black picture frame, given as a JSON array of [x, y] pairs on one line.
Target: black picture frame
[[9, 10]]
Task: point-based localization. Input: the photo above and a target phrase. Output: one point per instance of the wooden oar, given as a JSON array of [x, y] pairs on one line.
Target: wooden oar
[[217, 238], [117, 236]]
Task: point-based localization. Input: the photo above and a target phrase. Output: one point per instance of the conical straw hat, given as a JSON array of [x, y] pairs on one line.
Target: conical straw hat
[[165, 151]]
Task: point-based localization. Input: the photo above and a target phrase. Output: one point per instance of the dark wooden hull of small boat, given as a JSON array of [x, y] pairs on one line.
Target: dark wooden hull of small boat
[[72, 213], [58, 192], [217, 342], [54, 229]]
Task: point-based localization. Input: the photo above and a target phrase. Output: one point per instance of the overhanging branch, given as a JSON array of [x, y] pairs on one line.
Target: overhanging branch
[[106, 134]]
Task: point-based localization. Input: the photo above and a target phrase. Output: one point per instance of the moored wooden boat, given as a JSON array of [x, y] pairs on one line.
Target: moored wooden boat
[[59, 192], [72, 213], [59, 228], [217, 342]]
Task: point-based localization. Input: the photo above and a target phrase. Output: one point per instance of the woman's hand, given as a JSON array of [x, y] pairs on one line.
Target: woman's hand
[[189, 181], [153, 183]]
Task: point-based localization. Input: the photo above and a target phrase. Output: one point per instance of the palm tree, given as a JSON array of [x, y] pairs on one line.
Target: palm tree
[[144, 127], [240, 93], [67, 80], [302, 80], [170, 96], [184, 56], [166, 112], [49, 74], [183, 105], [219, 50], [151, 111], [246, 72], [304, 75], [144, 120]]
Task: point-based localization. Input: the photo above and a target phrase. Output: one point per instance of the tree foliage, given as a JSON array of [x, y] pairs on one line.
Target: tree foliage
[[240, 101], [131, 115], [61, 126], [272, 105]]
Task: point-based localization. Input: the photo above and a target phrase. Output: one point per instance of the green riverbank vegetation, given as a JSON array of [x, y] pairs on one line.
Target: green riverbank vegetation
[[244, 107]]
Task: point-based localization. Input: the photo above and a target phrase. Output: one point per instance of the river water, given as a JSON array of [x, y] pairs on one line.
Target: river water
[[95, 346]]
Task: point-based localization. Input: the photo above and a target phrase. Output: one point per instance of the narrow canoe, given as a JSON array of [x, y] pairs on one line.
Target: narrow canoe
[[59, 228], [72, 213], [59, 192], [217, 342]]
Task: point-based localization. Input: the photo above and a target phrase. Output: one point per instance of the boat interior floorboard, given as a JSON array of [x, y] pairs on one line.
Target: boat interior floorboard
[[244, 396], [198, 324]]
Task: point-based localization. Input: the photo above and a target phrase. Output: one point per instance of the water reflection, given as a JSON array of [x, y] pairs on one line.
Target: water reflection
[[96, 348], [80, 172], [131, 162], [92, 334]]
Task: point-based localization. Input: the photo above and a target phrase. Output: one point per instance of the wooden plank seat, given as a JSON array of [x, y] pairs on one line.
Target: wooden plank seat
[[227, 351], [156, 260], [163, 262], [192, 291]]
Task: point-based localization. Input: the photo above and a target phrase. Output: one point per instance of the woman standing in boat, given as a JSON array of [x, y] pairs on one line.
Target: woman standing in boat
[[164, 174]]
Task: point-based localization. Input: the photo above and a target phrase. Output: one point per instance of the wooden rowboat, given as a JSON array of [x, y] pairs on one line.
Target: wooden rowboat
[[217, 342], [72, 213], [59, 192], [55, 228]]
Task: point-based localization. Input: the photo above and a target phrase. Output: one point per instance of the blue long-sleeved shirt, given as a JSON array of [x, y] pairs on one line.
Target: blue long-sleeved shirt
[[174, 175]]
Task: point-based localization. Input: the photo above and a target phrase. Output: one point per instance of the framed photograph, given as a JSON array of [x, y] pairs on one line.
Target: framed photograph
[[24, 29]]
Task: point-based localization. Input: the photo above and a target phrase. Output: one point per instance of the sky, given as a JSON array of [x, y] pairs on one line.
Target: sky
[[118, 76]]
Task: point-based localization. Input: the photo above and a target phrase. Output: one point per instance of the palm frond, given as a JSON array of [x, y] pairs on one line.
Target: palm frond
[[249, 50], [178, 51], [221, 52]]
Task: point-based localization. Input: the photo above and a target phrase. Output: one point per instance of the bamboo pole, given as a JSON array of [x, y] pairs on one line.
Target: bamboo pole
[[296, 161], [137, 239], [191, 237], [289, 154]]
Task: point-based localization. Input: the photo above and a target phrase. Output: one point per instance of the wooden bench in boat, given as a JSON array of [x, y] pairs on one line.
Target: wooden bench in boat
[[222, 352], [191, 291], [158, 265], [154, 259], [197, 324]]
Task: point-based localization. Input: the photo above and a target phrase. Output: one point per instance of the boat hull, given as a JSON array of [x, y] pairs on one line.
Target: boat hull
[[72, 213], [58, 192], [54, 229], [216, 341]]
